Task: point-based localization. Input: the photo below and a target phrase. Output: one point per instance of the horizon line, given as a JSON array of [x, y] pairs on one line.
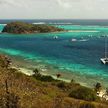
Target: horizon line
[[47, 19]]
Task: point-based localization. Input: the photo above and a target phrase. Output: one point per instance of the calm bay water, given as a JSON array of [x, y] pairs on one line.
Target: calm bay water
[[81, 56]]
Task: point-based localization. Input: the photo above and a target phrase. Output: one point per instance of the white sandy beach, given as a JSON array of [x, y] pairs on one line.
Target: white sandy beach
[[82, 31], [30, 73]]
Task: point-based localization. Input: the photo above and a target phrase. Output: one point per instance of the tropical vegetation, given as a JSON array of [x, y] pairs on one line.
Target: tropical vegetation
[[26, 28]]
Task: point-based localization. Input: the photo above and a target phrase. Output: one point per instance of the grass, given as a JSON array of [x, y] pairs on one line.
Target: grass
[[43, 92]]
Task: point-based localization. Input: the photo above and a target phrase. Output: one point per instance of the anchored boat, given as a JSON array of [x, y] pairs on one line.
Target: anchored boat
[[104, 60], [55, 37]]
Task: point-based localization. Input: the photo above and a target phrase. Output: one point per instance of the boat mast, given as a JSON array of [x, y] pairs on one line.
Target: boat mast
[[105, 46]]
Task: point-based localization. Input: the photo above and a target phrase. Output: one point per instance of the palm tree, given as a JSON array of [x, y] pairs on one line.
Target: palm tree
[[58, 75], [36, 72], [98, 87]]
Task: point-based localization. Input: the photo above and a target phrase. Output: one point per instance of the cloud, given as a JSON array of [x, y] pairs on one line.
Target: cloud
[[61, 3], [64, 3], [8, 2], [15, 3], [53, 9]]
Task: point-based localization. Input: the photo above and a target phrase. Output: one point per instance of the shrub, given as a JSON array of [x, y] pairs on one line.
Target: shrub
[[83, 93], [61, 84], [4, 61], [44, 78], [9, 101], [47, 78], [36, 72], [58, 75], [72, 81], [87, 105]]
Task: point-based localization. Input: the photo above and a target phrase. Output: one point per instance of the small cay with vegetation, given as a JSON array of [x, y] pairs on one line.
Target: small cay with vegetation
[[26, 28], [18, 90]]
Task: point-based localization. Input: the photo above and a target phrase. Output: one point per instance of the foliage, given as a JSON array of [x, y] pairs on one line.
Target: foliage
[[72, 81], [87, 105], [83, 93], [98, 87], [9, 100], [58, 75], [44, 78], [36, 73], [4, 61], [107, 91], [61, 85]]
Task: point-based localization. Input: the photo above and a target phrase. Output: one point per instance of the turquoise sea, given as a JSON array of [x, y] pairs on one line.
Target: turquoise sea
[[77, 52]]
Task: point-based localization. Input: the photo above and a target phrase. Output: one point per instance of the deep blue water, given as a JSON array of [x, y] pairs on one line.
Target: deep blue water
[[81, 56], [102, 22], [78, 56]]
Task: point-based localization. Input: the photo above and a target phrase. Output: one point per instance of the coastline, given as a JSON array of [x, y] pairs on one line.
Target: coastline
[[29, 72], [83, 31], [45, 69], [27, 67], [65, 31], [88, 80]]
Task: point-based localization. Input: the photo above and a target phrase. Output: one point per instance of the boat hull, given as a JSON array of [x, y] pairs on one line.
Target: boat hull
[[104, 60]]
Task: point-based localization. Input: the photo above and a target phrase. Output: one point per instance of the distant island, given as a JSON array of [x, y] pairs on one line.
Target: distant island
[[26, 28]]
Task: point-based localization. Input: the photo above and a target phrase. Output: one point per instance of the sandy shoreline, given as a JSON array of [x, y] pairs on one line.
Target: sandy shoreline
[[27, 66], [82, 31], [29, 72]]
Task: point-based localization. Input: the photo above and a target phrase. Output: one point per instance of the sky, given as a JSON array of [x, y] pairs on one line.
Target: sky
[[53, 9]]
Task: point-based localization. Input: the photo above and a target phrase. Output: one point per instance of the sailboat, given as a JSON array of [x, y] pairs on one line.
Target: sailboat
[[55, 37], [105, 59]]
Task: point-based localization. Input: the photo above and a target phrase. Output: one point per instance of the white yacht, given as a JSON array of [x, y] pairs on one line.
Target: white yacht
[[55, 37], [104, 60], [73, 40]]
